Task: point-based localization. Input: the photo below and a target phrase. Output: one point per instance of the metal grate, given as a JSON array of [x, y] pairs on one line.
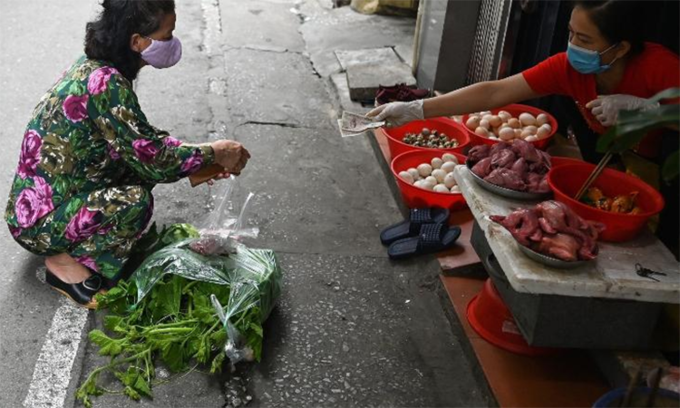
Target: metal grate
[[487, 48]]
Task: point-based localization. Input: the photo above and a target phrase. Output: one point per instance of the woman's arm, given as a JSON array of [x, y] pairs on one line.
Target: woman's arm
[[474, 98], [480, 97], [149, 152]]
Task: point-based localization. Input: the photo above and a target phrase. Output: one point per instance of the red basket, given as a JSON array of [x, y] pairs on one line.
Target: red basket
[[443, 125], [565, 181], [492, 320], [515, 110], [415, 197]]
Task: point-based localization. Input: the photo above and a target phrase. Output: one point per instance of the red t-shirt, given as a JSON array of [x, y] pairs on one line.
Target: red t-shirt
[[648, 73]]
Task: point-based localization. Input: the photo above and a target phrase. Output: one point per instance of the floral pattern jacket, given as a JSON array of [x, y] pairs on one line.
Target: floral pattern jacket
[[88, 133]]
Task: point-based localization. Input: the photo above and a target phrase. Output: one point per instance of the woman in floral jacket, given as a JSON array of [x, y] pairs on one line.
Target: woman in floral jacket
[[89, 158]]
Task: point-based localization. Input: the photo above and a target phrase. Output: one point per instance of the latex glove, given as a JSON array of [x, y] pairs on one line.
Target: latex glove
[[398, 113], [606, 108]]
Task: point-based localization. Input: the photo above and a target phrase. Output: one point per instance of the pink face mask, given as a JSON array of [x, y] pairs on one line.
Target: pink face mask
[[163, 54]]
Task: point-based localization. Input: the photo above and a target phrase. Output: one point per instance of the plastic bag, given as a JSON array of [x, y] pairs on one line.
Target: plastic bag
[[218, 256], [222, 230], [253, 276]]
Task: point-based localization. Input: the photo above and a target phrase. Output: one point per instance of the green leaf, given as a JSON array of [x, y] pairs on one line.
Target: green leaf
[[107, 346], [111, 322], [670, 93], [142, 386], [173, 356], [130, 392], [178, 232], [671, 167], [217, 363]]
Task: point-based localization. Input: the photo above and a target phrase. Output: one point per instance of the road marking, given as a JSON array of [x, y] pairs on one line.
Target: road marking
[[213, 25], [52, 372]]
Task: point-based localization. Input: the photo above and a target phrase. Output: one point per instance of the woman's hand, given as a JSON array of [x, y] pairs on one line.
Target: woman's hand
[[398, 113], [230, 155], [606, 108], [220, 176]]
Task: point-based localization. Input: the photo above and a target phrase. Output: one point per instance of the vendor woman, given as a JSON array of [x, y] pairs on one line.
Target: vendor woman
[[89, 158], [607, 68]]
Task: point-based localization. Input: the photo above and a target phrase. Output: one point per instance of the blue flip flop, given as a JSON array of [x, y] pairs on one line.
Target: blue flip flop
[[432, 238], [411, 227]]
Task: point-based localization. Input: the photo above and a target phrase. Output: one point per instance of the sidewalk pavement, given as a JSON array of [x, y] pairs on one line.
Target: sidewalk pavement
[[352, 328]]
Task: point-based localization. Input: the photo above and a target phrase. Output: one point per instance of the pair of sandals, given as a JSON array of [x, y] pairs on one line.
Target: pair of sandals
[[82, 292], [425, 232]]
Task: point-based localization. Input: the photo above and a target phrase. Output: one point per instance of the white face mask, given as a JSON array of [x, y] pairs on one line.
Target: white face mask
[[163, 54]]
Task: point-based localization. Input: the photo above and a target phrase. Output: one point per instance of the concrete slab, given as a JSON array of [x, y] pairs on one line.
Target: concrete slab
[[383, 55], [356, 336], [269, 26], [344, 29], [275, 88], [317, 192], [339, 82], [364, 79]]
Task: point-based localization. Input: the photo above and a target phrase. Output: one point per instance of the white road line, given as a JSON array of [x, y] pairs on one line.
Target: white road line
[[52, 372], [213, 24]]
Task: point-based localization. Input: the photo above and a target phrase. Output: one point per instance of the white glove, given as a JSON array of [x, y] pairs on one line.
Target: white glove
[[606, 108], [398, 113]]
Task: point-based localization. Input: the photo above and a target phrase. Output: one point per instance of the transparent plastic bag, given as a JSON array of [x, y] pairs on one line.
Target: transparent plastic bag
[[253, 277], [218, 256], [223, 230]]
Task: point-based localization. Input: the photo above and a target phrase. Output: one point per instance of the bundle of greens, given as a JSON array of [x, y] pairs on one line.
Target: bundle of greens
[[164, 313]]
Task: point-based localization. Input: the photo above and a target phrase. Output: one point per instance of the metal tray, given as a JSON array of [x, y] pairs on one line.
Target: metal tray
[[550, 261], [506, 192]]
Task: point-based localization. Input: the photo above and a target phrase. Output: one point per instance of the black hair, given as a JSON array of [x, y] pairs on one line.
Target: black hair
[[618, 20], [108, 37]]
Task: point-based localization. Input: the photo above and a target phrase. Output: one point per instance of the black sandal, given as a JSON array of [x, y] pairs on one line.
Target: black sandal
[[433, 238], [411, 227], [82, 293]]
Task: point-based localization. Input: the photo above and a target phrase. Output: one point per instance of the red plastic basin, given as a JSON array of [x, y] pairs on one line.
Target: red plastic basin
[[415, 197], [448, 126], [491, 319], [515, 110], [565, 181]]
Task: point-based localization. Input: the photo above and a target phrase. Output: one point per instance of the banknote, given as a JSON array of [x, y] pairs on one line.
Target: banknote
[[352, 122]]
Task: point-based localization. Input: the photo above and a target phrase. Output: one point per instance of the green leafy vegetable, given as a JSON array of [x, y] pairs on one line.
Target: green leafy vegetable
[[164, 313]]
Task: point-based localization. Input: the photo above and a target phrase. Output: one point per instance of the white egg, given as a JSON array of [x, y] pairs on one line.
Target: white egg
[[507, 133], [543, 132], [504, 115], [485, 124], [518, 133], [526, 133], [448, 167], [527, 119], [439, 174], [448, 157], [455, 190], [547, 126], [437, 163], [426, 185], [440, 188], [514, 123], [493, 138], [406, 176], [419, 183], [472, 123], [531, 138], [424, 170], [482, 131], [542, 119], [414, 173], [487, 117], [495, 121], [531, 128], [449, 180], [432, 180]]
